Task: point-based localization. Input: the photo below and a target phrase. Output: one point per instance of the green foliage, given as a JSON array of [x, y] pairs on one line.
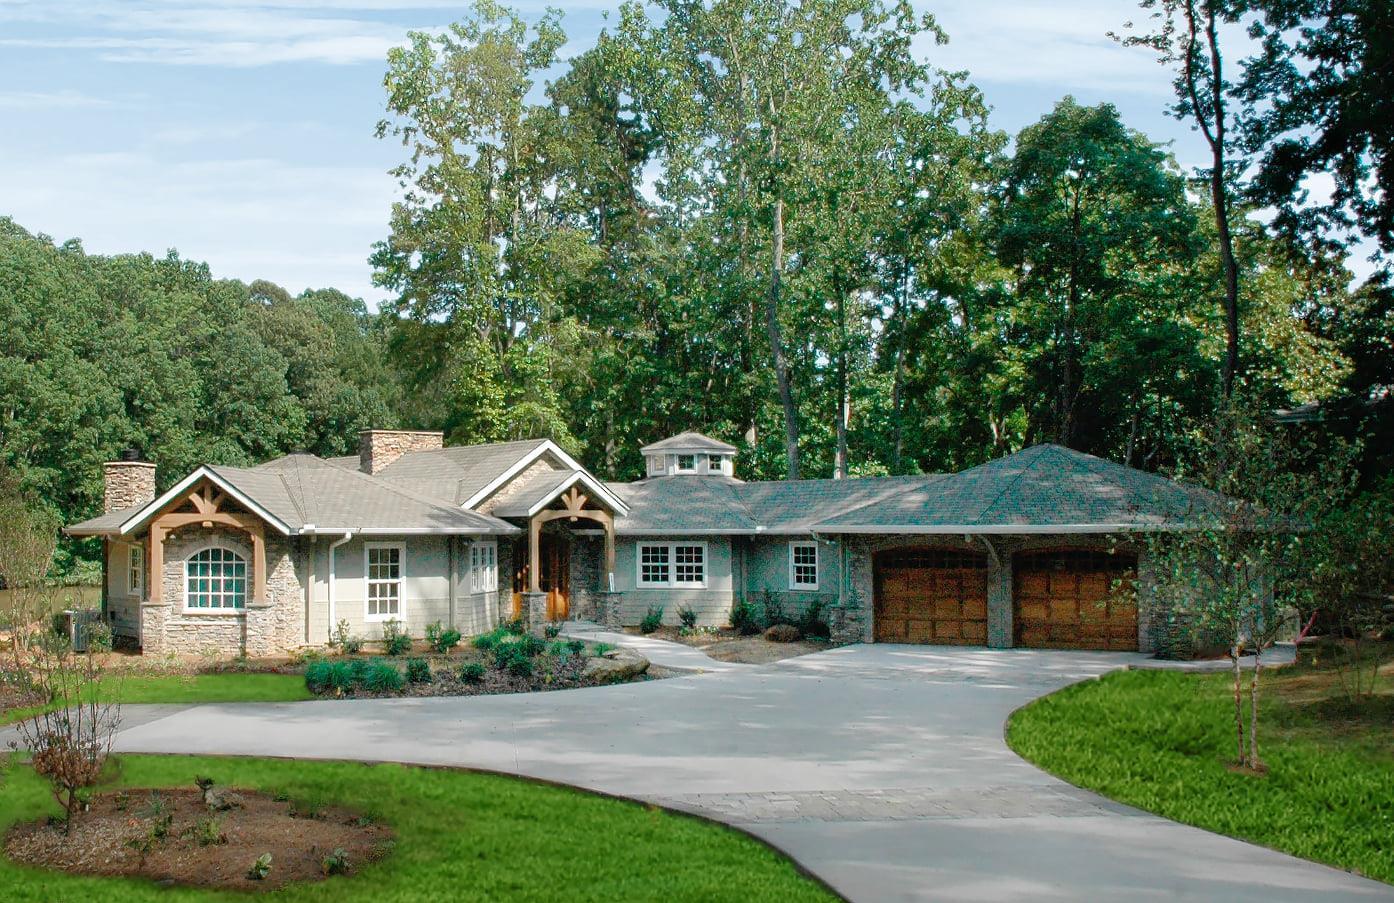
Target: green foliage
[[472, 672], [653, 619], [395, 639], [687, 617], [1161, 741], [745, 617], [260, 868], [441, 639], [418, 671]]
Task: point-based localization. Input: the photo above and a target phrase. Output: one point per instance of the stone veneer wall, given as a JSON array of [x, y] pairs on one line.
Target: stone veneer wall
[[271, 626], [127, 484], [851, 622], [379, 448]]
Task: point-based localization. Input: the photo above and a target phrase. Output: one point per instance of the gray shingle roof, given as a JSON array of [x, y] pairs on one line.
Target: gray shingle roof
[[689, 441], [1045, 486], [455, 474]]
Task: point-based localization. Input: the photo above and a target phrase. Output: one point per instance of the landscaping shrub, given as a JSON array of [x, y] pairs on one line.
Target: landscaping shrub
[[687, 617], [744, 618], [472, 672], [441, 639], [418, 671], [653, 619], [811, 623], [782, 633], [774, 609], [395, 639], [382, 677]]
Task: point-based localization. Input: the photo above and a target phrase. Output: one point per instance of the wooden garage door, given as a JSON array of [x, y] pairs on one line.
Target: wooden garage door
[[931, 596], [1075, 599]]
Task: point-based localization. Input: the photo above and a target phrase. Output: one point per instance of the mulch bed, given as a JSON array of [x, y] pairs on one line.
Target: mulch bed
[[117, 836]]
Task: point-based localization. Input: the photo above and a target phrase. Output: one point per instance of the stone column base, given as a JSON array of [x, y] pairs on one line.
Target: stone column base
[[607, 609], [535, 614]]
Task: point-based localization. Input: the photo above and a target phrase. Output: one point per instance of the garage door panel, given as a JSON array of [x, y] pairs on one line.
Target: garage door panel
[[1079, 599], [931, 596]]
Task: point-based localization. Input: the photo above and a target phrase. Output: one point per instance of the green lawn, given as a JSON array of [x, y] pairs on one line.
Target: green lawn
[[460, 836], [185, 688], [1164, 741]]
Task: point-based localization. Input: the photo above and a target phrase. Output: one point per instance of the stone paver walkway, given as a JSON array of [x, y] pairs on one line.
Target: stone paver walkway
[[882, 769]]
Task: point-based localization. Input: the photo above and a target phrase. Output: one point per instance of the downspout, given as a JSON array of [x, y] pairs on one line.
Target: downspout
[[333, 612]]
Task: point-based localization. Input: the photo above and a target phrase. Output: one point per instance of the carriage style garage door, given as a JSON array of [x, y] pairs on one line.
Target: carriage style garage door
[[1075, 599], [931, 596]]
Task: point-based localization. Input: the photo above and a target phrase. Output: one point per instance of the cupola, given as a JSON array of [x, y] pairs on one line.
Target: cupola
[[689, 454]]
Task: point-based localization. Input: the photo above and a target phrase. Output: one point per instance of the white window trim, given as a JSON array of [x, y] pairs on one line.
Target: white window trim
[[135, 570], [672, 581], [817, 567], [218, 612], [677, 463], [400, 614], [484, 579]]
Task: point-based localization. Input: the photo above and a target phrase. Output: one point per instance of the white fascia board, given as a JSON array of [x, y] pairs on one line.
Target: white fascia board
[[998, 529], [140, 517], [517, 467]]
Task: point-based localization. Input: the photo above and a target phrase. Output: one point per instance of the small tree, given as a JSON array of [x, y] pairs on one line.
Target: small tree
[[1227, 573]]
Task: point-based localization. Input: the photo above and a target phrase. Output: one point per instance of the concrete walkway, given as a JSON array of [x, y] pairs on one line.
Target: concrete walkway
[[882, 769]]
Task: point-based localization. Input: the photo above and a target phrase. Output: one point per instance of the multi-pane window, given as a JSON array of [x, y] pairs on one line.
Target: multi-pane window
[[383, 568], [135, 570], [672, 564], [689, 565], [484, 567], [687, 463], [215, 579], [803, 565], [655, 565]]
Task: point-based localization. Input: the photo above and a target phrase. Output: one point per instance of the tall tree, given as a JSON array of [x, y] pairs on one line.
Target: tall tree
[[1187, 39]]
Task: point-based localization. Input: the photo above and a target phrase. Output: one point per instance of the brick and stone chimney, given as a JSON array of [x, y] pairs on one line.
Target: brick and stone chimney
[[379, 448], [129, 482]]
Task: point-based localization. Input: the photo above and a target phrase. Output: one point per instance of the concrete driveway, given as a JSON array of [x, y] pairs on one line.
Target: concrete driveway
[[882, 769]]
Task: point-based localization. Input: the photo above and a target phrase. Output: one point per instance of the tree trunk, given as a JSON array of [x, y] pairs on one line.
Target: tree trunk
[[781, 364], [1238, 700]]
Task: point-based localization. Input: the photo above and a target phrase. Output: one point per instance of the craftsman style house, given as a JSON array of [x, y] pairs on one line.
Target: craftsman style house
[[1034, 549]]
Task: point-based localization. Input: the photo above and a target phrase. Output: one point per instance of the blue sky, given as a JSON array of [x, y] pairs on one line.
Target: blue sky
[[241, 131]]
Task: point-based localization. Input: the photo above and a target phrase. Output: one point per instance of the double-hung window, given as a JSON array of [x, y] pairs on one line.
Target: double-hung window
[[135, 570], [803, 565], [382, 566], [672, 564], [484, 567]]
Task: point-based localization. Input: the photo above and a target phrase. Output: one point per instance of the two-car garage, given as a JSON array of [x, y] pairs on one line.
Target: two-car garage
[[1073, 598]]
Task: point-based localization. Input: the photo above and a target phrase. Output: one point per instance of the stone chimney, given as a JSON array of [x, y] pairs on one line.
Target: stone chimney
[[129, 482], [379, 448]]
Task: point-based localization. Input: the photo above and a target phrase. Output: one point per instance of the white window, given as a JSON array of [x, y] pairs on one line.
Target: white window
[[803, 565], [672, 565], [382, 564], [135, 570], [484, 567], [687, 463], [714, 463], [215, 580]]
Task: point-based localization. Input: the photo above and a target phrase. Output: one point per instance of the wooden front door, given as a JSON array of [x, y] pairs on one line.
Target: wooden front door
[[931, 596], [555, 579], [1075, 599]]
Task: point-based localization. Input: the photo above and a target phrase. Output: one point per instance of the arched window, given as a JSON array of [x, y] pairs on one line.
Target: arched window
[[215, 579]]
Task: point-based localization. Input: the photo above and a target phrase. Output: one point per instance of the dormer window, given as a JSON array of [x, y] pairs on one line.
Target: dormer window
[[687, 463]]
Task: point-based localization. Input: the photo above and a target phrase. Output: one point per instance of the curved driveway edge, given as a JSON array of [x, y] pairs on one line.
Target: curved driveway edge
[[881, 769]]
